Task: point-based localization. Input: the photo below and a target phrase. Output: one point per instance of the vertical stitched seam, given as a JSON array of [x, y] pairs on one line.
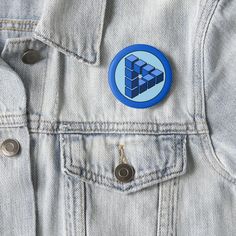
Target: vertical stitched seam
[[75, 207], [176, 207], [203, 59], [197, 47], [68, 206], [194, 66], [160, 210], [100, 28], [85, 208], [169, 205], [43, 87]]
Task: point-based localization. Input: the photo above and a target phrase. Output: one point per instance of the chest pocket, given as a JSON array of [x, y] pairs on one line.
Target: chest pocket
[[89, 163]]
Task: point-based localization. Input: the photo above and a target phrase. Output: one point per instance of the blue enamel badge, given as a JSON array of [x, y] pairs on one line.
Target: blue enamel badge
[[140, 76]]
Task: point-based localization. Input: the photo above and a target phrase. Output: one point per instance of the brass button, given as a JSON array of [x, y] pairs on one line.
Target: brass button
[[124, 172], [10, 147], [30, 56]]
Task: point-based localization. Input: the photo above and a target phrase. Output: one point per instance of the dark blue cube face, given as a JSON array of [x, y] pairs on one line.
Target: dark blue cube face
[[158, 75], [142, 85], [139, 65], [130, 60], [130, 74], [150, 80], [147, 70], [131, 92], [131, 83]]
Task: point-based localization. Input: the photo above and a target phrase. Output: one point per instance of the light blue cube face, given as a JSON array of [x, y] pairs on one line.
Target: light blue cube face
[[131, 83], [147, 69], [150, 80], [130, 73], [130, 60], [139, 65], [131, 92]]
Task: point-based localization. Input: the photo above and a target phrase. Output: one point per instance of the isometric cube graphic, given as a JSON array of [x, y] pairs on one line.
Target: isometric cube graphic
[[147, 69], [140, 76], [142, 85], [131, 92], [130, 60], [130, 73], [138, 65], [150, 80], [158, 75], [131, 83]]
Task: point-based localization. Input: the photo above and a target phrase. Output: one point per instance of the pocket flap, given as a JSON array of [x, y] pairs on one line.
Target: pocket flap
[[93, 158]]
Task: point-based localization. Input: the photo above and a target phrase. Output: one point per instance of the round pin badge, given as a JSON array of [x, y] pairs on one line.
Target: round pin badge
[[140, 76]]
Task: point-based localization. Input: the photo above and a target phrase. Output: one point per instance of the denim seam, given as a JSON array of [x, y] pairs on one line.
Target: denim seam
[[161, 179], [175, 212], [59, 46], [100, 28], [24, 22], [123, 131], [13, 124], [19, 41], [17, 29], [202, 55], [215, 162], [161, 211], [94, 176], [194, 64], [78, 196], [43, 86], [114, 122], [68, 205], [85, 207], [166, 205], [217, 167], [169, 207], [176, 151], [202, 27], [149, 127]]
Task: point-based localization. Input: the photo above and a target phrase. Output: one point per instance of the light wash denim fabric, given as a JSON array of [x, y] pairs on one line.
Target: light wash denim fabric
[[69, 124]]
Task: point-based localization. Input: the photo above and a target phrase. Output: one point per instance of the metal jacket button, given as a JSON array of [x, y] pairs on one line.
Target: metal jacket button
[[30, 56], [10, 147], [124, 172]]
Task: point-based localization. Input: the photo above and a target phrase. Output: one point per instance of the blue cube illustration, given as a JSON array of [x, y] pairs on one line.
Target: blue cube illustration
[[142, 85], [158, 75], [150, 80], [131, 83], [147, 69], [131, 92], [139, 65], [130, 60], [130, 73]]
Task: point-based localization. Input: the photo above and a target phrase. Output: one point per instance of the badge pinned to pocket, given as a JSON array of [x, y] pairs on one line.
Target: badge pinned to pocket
[[140, 76]]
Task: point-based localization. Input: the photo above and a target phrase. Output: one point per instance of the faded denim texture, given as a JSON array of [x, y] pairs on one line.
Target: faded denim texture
[[70, 125]]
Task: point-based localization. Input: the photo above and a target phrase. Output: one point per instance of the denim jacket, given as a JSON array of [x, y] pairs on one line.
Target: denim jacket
[[58, 177]]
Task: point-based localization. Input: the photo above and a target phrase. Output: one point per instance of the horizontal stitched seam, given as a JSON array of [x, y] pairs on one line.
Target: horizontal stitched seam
[[137, 185], [17, 29], [112, 122], [34, 22]]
